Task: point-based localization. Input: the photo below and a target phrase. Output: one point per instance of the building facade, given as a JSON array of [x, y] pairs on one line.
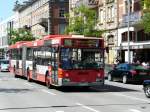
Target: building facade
[[139, 42], [43, 16], [108, 21]]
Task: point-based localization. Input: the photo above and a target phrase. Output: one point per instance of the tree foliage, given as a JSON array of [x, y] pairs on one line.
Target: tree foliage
[[146, 17], [83, 23], [21, 34], [146, 22], [146, 4]]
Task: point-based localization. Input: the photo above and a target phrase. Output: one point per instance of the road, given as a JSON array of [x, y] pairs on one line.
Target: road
[[18, 95]]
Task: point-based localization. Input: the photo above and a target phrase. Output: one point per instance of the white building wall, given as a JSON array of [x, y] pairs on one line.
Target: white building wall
[[4, 27]]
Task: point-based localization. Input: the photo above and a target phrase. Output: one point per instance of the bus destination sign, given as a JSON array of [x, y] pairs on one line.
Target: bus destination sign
[[81, 43]]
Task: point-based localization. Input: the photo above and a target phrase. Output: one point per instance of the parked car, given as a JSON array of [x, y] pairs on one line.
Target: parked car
[[129, 72], [146, 87], [4, 65]]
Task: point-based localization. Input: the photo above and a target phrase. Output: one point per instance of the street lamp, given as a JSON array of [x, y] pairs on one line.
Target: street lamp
[[129, 3]]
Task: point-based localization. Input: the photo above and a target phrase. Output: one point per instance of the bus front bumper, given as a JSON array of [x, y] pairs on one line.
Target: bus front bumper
[[69, 83]]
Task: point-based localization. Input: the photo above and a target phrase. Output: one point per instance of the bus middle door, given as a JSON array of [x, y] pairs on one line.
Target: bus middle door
[[54, 63]]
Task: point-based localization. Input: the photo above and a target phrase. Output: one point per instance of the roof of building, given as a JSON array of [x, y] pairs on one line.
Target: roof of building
[[20, 7]]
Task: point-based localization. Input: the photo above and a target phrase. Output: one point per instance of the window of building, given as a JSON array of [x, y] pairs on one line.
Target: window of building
[[62, 28], [62, 12], [101, 16], [137, 6], [110, 11], [110, 39], [125, 36], [109, 1], [141, 36], [126, 7]]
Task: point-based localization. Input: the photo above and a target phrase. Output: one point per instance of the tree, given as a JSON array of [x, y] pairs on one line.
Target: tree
[[83, 23], [21, 34], [146, 17], [146, 22], [146, 4]]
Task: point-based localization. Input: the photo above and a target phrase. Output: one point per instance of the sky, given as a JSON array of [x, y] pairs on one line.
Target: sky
[[6, 8]]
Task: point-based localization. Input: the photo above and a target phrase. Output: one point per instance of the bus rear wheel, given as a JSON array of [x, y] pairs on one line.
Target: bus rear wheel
[[28, 76]]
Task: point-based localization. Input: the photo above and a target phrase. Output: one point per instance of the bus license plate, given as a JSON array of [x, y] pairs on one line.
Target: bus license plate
[[83, 84]]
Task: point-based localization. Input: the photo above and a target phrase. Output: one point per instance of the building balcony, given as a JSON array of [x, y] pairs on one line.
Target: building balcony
[[89, 3], [43, 22], [134, 18]]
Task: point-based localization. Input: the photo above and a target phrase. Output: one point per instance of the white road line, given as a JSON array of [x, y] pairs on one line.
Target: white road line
[[131, 97], [29, 84], [45, 91], [134, 110], [86, 107], [59, 111]]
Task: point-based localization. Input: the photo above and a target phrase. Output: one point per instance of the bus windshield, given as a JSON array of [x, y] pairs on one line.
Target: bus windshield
[[83, 58]]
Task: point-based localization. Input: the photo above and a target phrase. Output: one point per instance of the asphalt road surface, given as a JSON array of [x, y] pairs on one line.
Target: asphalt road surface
[[18, 95]]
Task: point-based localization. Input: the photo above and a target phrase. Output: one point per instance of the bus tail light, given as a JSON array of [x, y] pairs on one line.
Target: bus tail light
[[60, 73]]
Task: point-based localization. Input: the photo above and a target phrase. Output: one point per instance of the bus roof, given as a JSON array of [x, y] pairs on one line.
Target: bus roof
[[40, 42], [68, 36]]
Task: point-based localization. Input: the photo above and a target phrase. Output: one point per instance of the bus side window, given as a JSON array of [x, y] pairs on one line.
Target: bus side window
[[29, 54]]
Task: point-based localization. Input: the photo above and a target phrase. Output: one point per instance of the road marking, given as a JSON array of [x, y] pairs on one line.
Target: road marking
[[134, 110], [45, 91], [86, 107], [59, 111], [131, 97], [29, 84]]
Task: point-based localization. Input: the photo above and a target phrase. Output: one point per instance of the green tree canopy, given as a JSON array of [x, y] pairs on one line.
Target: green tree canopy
[[146, 22], [146, 17], [83, 22], [21, 34], [146, 4]]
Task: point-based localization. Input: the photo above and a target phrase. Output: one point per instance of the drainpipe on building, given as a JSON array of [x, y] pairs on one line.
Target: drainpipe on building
[[49, 19]]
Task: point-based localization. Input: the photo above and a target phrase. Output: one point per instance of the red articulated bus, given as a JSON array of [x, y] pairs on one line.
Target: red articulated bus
[[60, 60]]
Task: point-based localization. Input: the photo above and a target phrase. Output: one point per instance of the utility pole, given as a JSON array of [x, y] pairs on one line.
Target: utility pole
[[129, 3]]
